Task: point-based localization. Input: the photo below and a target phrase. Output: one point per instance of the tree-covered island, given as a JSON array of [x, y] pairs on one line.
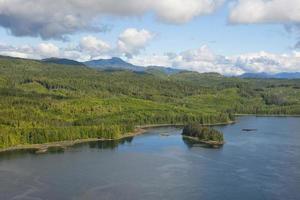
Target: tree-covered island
[[203, 134]]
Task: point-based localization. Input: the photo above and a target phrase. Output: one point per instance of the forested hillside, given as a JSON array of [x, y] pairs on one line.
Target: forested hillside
[[42, 102]]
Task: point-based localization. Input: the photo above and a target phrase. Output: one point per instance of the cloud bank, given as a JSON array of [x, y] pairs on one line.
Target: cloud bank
[[204, 59], [262, 11], [201, 60], [286, 12], [94, 46], [132, 41], [58, 18]]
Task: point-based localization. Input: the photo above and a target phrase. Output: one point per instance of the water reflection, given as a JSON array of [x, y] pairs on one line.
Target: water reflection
[[110, 144], [10, 155], [192, 143], [56, 150], [107, 144]]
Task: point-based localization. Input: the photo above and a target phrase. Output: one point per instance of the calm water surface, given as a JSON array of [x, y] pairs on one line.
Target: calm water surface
[[264, 164]]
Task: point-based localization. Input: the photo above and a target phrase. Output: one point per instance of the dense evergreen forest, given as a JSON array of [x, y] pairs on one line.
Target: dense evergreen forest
[[42, 102], [203, 133]]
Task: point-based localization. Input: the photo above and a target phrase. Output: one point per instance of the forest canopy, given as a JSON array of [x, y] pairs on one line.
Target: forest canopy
[[203, 133], [42, 102]]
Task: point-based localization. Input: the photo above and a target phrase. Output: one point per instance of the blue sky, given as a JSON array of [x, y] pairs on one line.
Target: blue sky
[[213, 30], [210, 38]]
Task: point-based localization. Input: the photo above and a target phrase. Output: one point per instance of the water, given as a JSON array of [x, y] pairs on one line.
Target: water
[[264, 164]]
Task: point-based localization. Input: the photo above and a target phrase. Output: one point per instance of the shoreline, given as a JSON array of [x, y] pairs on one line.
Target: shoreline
[[43, 148], [209, 142], [267, 115], [180, 125], [140, 129]]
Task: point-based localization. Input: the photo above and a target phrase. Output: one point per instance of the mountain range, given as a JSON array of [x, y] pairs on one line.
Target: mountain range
[[116, 63], [263, 75]]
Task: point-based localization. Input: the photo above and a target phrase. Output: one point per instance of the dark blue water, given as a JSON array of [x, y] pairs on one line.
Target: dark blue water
[[264, 164]]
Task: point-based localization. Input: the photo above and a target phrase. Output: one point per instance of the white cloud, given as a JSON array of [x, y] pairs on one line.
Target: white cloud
[[268, 62], [201, 60], [47, 50], [179, 11], [94, 46], [151, 60], [286, 12], [42, 50], [16, 54], [262, 11], [23, 51], [58, 18], [205, 60], [132, 41], [75, 55]]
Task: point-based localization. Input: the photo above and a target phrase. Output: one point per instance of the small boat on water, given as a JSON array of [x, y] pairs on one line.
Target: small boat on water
[[249, 129]]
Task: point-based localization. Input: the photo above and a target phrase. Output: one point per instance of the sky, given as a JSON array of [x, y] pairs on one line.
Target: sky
[[230, 37]]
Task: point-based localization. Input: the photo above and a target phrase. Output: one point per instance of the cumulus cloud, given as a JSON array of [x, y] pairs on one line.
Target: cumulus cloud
[[23, 51], [132, 41], [58, 18], [201, 60], [262, 11], [74, 54], [94, 46], [268, 62], [179, 11], [17, 54], [47, 50], [204, 59], [268, 11], [42, 50], [152, 60]]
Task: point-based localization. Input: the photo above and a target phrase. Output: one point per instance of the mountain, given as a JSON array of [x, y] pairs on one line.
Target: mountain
[[114, 63], [255, 75], [288, 75], [162, 70], [62, 61], [263, 75]]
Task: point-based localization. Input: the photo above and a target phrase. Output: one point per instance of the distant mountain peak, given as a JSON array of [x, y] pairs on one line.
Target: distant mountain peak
[[116, 63], [116, 58], [113, 63]]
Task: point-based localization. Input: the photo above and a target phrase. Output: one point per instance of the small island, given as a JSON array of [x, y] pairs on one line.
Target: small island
[[203, 134]]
